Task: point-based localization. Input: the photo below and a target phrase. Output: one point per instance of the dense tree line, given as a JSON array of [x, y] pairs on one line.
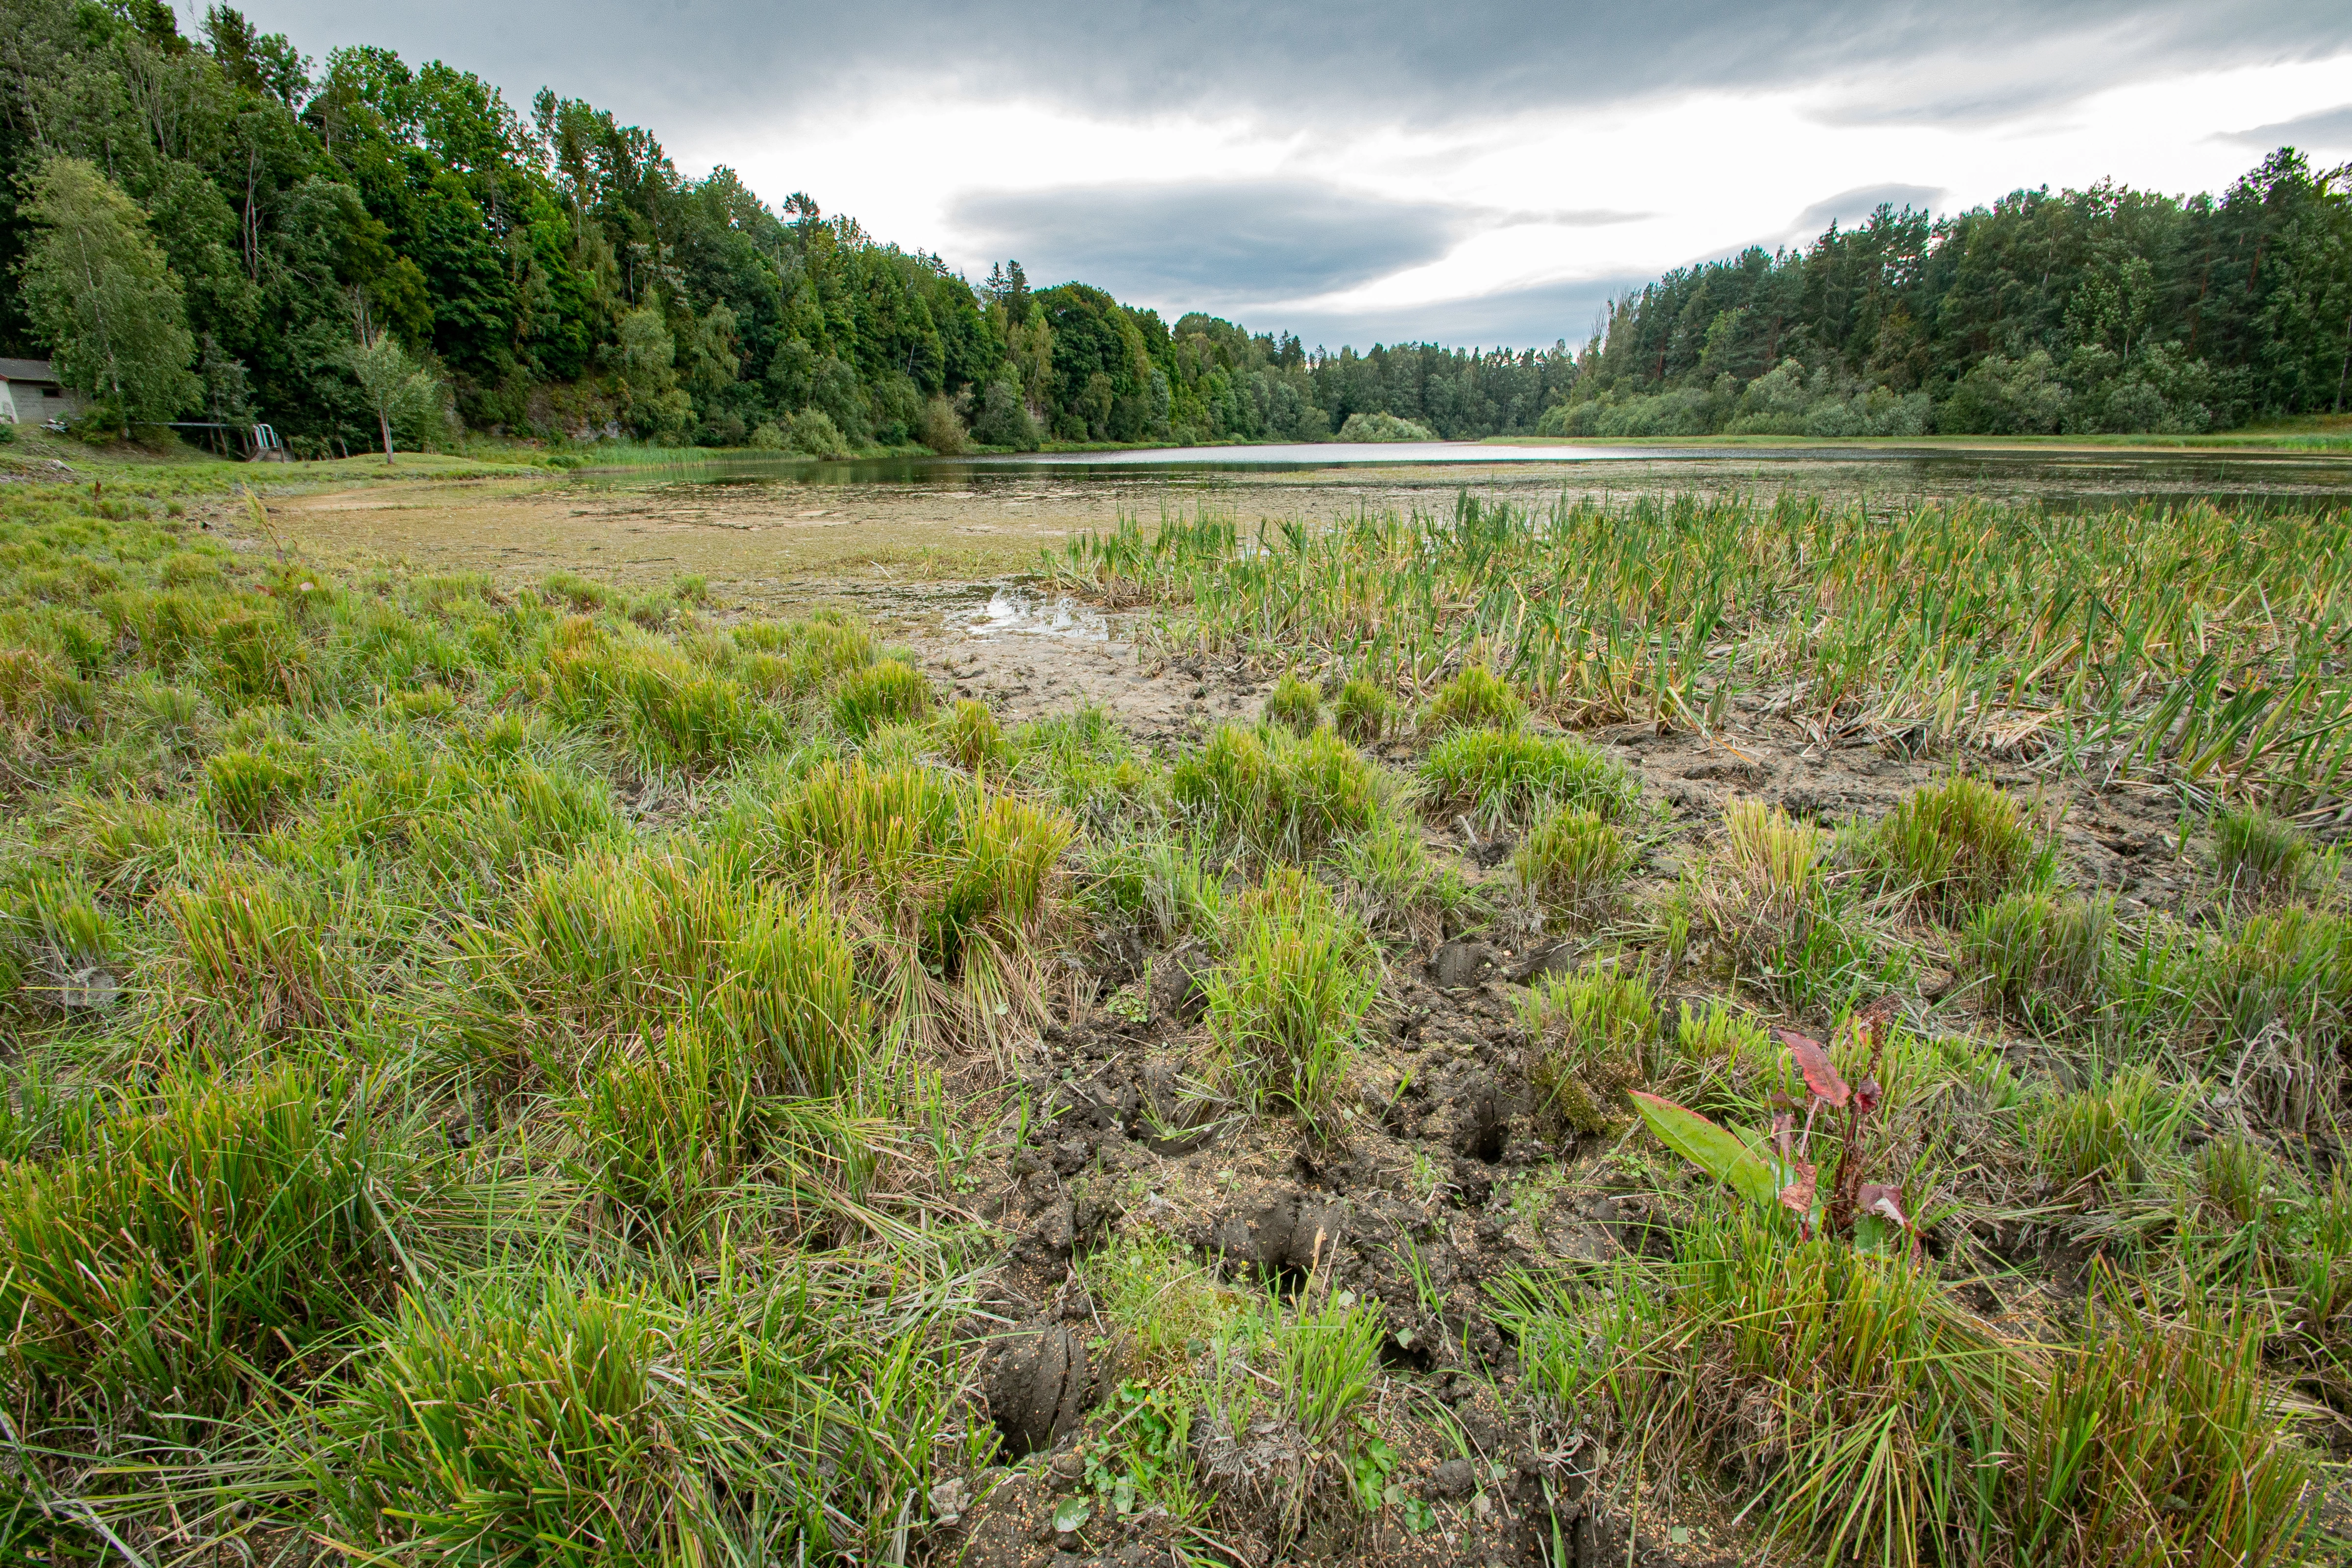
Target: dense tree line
[[2105, 309], [221, 228]]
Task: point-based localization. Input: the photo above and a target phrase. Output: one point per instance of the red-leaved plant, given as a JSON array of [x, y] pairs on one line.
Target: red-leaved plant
[[1777, 1169]]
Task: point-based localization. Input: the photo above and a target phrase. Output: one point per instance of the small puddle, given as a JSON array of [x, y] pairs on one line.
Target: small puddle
[[1018, 610]]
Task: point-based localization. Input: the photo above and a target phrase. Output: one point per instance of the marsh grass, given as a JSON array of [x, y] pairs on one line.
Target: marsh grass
[[1362, 711], [1395, 885], [555, 1045], [1277, 795], [1571, 865], [1592, 1037], [1295, 704], [1955, 846], [2052, 961], [2257, 855], [1505, 777], [1662, 607], [947, 884], [565, 1419], [166, 1262], [1474, 700], [1767, 900], [1286, 1009], [1867, 1413], [889, 692]]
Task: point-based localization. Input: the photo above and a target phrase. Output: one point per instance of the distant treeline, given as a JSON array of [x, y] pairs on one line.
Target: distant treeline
[[219, 228], [2099, 310]]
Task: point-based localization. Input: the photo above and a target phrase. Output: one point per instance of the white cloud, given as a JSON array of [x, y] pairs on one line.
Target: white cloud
[[1696, 174]]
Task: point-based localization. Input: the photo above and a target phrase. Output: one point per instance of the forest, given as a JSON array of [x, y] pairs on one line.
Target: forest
[[220, 228]]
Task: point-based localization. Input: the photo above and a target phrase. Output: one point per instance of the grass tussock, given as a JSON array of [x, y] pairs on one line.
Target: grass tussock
[[1571, 866], [1765, 900], [1363, 711], [948, 885], [1286, 1009], [1867, 1413], [1476, 699], [1294, 703], [1954, 847], [578, 1422], [1592, 1037], [1503, 777], [2260, 857], [203, 1241], [1278, 795]]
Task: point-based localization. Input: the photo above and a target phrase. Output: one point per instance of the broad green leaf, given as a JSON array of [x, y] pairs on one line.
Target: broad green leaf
[[1072, 1514], [1719, 1152]]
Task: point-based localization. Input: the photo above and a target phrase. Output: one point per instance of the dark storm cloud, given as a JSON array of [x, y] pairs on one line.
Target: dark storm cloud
[[699, 65], [1265, 239], [1224, 241], [2330, 128]]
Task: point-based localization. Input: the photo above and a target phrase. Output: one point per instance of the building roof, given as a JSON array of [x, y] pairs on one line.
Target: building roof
[[28, 370]]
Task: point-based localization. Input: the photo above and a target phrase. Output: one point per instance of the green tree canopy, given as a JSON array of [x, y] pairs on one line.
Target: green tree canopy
[[100, 291]]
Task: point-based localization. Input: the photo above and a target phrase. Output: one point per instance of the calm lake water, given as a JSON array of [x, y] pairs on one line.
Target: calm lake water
[[1885, 473]]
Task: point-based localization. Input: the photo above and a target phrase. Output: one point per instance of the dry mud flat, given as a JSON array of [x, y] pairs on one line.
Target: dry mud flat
[[1440, 1186]]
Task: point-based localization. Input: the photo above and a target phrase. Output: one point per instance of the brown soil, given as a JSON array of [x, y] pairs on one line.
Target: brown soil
[[1440, 1159]]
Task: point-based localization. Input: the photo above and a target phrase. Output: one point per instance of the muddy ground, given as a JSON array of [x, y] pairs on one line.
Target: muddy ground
[[1440, 1160]]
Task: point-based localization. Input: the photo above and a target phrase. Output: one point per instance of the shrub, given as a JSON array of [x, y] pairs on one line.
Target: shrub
[[890, 692], [1592, 1037], [1362, 711], [1572, 864], [812, 433], [1476, 699], [940, 429], [1286, 1009], [1297, 705], [1956, 846], [1278, 795], [1501, 777]]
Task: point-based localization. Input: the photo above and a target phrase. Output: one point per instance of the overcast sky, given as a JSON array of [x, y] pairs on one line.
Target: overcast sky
[[1390, 169]]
